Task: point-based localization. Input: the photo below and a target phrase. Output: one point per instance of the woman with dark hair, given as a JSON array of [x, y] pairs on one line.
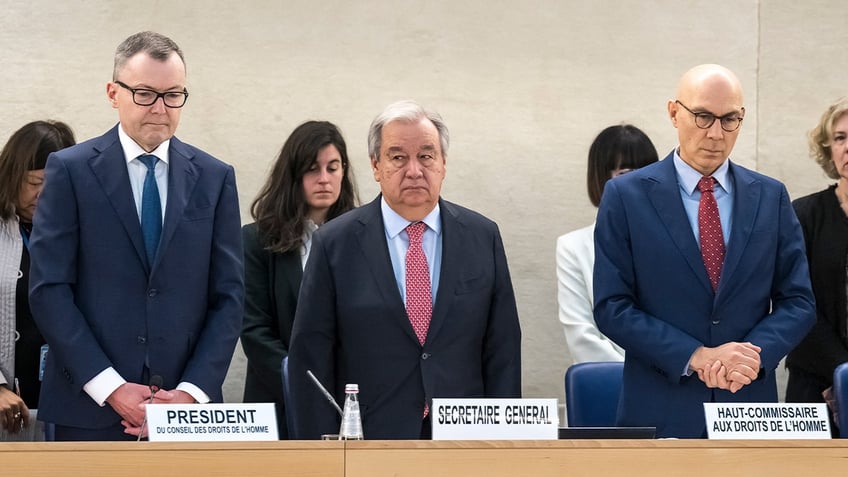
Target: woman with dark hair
[[824, 220], [21, 178], [616, 150], [310, 183]]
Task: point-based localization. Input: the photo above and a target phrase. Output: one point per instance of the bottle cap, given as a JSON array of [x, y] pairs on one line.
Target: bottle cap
[[351, 388]]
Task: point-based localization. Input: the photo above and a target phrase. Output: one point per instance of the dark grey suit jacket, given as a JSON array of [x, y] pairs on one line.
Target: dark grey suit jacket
[[351, 325]]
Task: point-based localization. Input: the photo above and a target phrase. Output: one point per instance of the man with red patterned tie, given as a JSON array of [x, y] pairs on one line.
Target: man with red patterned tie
[[700, 270], [409, 296]]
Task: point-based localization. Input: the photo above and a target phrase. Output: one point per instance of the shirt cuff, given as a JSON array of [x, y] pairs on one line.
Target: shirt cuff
[[194, 391], [103, 385], [688, 371]]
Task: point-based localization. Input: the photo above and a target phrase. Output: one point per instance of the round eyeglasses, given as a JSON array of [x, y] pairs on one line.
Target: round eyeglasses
[[146, 97], [704, 120]]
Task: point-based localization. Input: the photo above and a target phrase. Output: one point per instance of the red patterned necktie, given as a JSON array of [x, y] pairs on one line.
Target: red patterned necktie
[[419, 304], [709, 227]]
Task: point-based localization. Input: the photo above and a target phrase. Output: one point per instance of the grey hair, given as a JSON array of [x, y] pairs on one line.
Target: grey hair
[[408, 111], [158, 46]]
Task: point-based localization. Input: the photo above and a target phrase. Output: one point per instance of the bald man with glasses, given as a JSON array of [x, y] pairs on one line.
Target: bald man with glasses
[[700, 269]]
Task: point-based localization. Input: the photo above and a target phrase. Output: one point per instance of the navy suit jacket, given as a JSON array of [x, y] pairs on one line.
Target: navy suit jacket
[[99, 304], [351, 325], [653, 296]]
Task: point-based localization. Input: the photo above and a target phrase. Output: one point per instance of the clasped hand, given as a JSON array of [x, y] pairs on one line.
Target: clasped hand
[[729, 366], [130, 400], [14, 414]]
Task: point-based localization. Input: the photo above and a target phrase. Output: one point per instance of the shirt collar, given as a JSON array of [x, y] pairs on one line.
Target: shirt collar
[[132, 150], [689, 177], [309, 227], [395, 224]]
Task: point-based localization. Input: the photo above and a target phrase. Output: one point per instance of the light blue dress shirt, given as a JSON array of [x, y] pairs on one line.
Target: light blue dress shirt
[[687, 179], [398, 241]]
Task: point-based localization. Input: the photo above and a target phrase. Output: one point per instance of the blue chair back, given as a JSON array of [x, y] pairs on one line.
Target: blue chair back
[[291, 418], [840, 393], [591, 393]]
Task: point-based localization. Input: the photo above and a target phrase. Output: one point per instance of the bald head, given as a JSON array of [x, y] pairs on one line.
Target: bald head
[[709, 80], [707, 91]]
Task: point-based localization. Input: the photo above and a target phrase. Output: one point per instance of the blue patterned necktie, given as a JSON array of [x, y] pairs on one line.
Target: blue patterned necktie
[[151, 208]]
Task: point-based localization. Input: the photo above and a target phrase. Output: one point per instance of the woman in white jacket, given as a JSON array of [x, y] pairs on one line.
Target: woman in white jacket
[[615, 151]]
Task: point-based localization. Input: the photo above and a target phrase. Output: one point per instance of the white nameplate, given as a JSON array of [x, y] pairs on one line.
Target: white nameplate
[[767, 421], [212, 422], [494, 419]]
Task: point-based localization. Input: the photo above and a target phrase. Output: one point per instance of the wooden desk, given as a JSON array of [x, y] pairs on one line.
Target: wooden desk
[[252, 459], [593, 458]]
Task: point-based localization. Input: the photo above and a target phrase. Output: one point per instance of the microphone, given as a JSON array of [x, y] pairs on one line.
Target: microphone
[[325, 392], [155, 385]]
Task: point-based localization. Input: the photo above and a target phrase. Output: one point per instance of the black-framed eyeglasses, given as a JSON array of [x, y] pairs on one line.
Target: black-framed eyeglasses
[[704, 120], [146, 97]]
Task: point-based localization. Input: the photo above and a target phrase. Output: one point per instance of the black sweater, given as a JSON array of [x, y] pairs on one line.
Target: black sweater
[[826, 235]]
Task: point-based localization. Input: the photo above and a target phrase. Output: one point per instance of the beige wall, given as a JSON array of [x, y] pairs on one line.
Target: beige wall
[[523, 85]]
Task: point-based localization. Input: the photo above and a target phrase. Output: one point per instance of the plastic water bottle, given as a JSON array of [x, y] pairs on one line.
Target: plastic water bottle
[[351, 420]]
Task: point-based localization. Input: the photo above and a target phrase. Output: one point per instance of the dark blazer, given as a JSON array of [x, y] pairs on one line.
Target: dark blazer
[[351, 325], [653, 297], [272, 282], [96, 300], [826, 235]]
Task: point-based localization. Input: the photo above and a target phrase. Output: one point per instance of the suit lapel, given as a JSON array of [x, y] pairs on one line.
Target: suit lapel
[[453, 236], [182, 177], [372, 241], [746, 201], [110, 169], [663, 191]]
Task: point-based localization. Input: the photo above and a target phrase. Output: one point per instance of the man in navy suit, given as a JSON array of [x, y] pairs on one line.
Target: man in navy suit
[[355, 312], [691, 335], [116, 305]]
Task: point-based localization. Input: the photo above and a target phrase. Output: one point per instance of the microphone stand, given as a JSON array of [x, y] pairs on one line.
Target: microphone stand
[[325, 392], [155, 385]]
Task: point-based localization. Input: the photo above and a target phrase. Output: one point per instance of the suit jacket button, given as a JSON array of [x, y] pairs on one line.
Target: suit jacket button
[[152, 292], [425, 355], [715, 322], [141, 340]]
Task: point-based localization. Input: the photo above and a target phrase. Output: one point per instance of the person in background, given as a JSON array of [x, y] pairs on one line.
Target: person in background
[[136, 259], [408, 296], [616, 150], [824, 220], [311, 183], [21, 179], [700, 272]]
